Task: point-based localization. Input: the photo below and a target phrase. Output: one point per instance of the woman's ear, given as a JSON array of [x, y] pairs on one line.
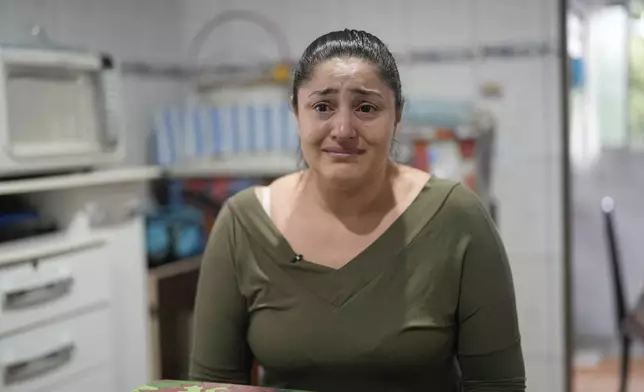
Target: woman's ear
[[399, 114], [293, 107], [398, 119], [399, 110]]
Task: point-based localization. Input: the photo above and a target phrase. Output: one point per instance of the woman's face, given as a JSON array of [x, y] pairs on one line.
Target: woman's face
[[347, 118]]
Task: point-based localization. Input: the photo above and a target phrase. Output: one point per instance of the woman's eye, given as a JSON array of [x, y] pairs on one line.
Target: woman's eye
[[366, 108], [322, 107]]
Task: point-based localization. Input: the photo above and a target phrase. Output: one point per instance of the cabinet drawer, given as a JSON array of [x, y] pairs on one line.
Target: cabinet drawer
[[35, 291], [95, 380], [48, 355]]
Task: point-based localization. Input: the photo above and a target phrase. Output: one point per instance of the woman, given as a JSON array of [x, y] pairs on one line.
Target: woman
[[357, 274]]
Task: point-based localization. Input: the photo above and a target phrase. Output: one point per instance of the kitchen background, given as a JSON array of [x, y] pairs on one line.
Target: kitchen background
[[493, 68]]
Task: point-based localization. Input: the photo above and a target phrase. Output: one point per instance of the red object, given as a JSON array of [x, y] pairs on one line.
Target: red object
[[467, 148], [197, 185], [421, 160], [220, 188], [444, 134]]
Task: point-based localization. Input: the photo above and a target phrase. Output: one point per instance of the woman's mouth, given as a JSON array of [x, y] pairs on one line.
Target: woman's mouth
[[343, 152]]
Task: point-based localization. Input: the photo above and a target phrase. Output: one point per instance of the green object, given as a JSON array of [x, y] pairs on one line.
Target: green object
[[434, 287]]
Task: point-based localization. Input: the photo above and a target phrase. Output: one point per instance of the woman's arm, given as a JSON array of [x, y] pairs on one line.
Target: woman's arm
[[489, 349], [220, 350]]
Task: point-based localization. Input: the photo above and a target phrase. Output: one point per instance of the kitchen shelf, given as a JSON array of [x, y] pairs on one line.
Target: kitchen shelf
[[238, 166], [46, 245], [80, 180]]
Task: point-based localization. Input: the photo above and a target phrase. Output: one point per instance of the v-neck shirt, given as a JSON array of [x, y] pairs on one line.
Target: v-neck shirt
[[434, 290]]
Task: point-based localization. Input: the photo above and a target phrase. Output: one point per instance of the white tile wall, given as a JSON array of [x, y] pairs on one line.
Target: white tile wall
[[529, 213], [403, 24], [536, 284], [510, 20], [525, 125], [544, 374], [444, 23], [383, 18], [449, 80], [531, 274], [528, 170], [538, 374], [146, 29]]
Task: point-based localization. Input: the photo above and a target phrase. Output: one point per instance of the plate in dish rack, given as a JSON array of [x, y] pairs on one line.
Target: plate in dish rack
[[191, 386]]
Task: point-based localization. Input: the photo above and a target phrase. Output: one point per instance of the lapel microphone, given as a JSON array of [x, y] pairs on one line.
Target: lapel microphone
[[298, 257]]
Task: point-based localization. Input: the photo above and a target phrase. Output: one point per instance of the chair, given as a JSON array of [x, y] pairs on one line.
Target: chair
[[630, 324]]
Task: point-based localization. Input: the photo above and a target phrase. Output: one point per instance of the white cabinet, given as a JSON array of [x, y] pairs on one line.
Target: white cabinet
[[36, 290], [96, 380], [43, 356], [73, 304]]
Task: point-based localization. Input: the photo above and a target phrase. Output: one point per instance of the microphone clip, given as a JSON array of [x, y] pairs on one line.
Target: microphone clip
[[298, 257]]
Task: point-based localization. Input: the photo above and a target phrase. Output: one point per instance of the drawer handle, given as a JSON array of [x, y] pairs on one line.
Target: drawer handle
[[26, 369], [46, 292]]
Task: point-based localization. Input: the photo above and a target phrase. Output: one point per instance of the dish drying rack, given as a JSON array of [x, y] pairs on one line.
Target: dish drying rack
[[234, 123]]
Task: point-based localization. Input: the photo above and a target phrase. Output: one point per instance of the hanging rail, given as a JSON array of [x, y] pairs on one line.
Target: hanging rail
[[261, 70]]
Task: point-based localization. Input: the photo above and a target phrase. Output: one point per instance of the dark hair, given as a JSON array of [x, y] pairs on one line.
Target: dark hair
[[348, 43]]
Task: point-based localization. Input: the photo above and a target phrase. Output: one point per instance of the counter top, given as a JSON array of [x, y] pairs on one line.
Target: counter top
[[80, 180]]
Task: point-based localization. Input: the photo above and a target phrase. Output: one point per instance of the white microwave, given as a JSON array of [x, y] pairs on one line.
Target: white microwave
[[59, 111]]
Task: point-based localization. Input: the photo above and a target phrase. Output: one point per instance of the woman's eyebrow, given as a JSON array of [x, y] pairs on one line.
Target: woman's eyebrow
[[357, 90]]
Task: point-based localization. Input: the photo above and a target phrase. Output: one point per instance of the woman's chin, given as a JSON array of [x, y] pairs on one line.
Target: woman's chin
[[345, 177]]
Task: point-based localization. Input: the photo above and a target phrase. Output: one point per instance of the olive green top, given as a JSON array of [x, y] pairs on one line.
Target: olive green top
[[434, 290]]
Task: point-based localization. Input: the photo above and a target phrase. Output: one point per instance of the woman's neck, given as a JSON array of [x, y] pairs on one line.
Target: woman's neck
[[366, 196]]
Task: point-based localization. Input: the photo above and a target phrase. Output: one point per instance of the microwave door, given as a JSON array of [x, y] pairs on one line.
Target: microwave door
[[53, 112]]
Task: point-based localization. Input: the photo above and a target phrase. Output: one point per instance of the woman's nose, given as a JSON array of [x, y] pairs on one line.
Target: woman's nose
[[343, 127]]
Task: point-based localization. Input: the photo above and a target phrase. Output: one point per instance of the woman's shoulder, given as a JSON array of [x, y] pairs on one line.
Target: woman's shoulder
[[453, 199], [287, 183], [249, 201], [461, 209], [244, 199], [462, 199]]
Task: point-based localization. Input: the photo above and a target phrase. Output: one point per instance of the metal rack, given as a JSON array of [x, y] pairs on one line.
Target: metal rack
[[435, 56]]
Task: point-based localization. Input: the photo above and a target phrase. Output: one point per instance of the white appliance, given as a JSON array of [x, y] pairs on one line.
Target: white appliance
[[60, 110]]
